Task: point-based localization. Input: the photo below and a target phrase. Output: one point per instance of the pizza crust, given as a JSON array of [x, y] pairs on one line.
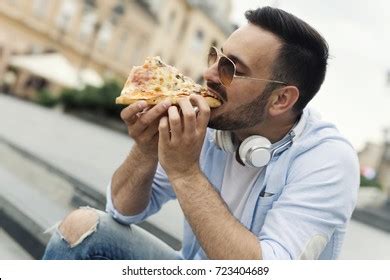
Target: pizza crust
[[128, 99]]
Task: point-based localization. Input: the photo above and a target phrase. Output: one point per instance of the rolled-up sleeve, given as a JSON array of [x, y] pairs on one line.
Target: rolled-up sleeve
[[319, 196], [161, 193]]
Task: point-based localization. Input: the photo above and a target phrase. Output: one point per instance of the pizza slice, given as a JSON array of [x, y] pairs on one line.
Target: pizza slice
[[156, 81]]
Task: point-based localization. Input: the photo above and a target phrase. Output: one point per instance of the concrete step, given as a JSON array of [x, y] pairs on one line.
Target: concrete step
[[35, 195], [85, 154], [26, 213], [10, 249]]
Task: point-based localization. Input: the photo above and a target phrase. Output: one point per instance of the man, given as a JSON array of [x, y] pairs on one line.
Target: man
[[268, 180]]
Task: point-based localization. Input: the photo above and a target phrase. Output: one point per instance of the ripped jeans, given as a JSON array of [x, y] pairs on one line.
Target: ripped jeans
[[107, 239]]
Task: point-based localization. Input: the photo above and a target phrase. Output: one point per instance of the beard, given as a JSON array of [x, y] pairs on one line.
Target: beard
[[245, 116]]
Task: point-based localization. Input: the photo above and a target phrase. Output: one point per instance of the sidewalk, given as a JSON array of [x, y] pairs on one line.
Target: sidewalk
[[85, 151]]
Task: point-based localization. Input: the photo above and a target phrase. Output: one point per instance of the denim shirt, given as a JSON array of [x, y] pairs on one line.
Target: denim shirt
[[311, 193]]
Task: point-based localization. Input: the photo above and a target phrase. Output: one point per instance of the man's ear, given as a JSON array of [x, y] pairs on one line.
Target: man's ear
[[283, 100]]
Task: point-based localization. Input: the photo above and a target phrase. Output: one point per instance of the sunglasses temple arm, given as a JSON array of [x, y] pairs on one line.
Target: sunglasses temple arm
[[257, 79]]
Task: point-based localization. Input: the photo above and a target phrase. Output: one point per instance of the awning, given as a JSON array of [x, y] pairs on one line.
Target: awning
[[56, 68]]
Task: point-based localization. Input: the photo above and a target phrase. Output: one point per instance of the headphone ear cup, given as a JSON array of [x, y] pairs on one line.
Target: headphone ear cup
[[255, 151]]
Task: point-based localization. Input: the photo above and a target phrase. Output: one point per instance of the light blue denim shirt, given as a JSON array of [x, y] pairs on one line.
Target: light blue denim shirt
[[311, 192]]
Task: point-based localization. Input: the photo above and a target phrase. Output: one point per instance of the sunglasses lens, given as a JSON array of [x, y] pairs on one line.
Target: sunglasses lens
[[226, 71], [213, 56]]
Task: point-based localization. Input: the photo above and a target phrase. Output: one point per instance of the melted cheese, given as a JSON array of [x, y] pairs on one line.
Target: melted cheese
[[156, 78]]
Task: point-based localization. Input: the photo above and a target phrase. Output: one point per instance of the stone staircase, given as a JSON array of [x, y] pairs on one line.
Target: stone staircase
[[35, 196], [52, 163]]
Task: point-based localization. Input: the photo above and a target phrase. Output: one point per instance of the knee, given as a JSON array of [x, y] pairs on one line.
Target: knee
[[78, 225]]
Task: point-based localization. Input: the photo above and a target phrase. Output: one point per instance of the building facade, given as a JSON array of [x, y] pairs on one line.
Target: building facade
[[111, 36]]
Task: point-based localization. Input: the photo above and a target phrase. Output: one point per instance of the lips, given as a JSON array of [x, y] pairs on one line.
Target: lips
[[214, 94]]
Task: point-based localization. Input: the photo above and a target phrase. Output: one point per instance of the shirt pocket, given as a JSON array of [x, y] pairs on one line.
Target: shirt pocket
[[264, 204]]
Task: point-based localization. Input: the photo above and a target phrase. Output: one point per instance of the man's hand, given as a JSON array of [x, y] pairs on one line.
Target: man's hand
[[181, 137], [132, 181], [142, 124]]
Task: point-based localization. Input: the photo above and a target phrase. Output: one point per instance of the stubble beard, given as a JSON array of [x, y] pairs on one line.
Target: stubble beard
[[245, 116]]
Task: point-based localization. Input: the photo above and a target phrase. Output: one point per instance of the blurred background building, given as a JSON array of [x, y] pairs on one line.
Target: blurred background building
[[79, 42], [374, 161]]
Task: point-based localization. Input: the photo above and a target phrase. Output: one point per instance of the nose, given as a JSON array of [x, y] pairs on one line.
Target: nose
[[211, 73]]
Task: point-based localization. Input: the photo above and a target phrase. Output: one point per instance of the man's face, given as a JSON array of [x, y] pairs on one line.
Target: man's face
[[253, 50]]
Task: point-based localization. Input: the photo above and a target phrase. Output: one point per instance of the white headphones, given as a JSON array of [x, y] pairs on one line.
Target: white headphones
[[255, 151]]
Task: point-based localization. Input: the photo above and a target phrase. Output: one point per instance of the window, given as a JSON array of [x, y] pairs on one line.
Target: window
[[40, 8], [88, 21], [104, 34], [117, 12], [68, 8], [197, 43], [91, 3]]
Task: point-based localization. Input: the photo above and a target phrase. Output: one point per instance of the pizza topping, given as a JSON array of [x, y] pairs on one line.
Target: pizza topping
[[155, 80]]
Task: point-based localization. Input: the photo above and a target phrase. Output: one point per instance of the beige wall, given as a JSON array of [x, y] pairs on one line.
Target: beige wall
[[35, 23], [175, 39], [19, 21], [193, 54]]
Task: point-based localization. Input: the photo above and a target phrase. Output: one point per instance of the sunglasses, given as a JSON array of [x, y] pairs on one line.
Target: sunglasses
[[227, 68]]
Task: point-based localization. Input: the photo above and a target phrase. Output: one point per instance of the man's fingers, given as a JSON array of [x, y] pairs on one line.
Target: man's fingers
[[203, 115], [163, 130], [149, 117], [149, 133], [189, 115], [129, 114], [174, 122]]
